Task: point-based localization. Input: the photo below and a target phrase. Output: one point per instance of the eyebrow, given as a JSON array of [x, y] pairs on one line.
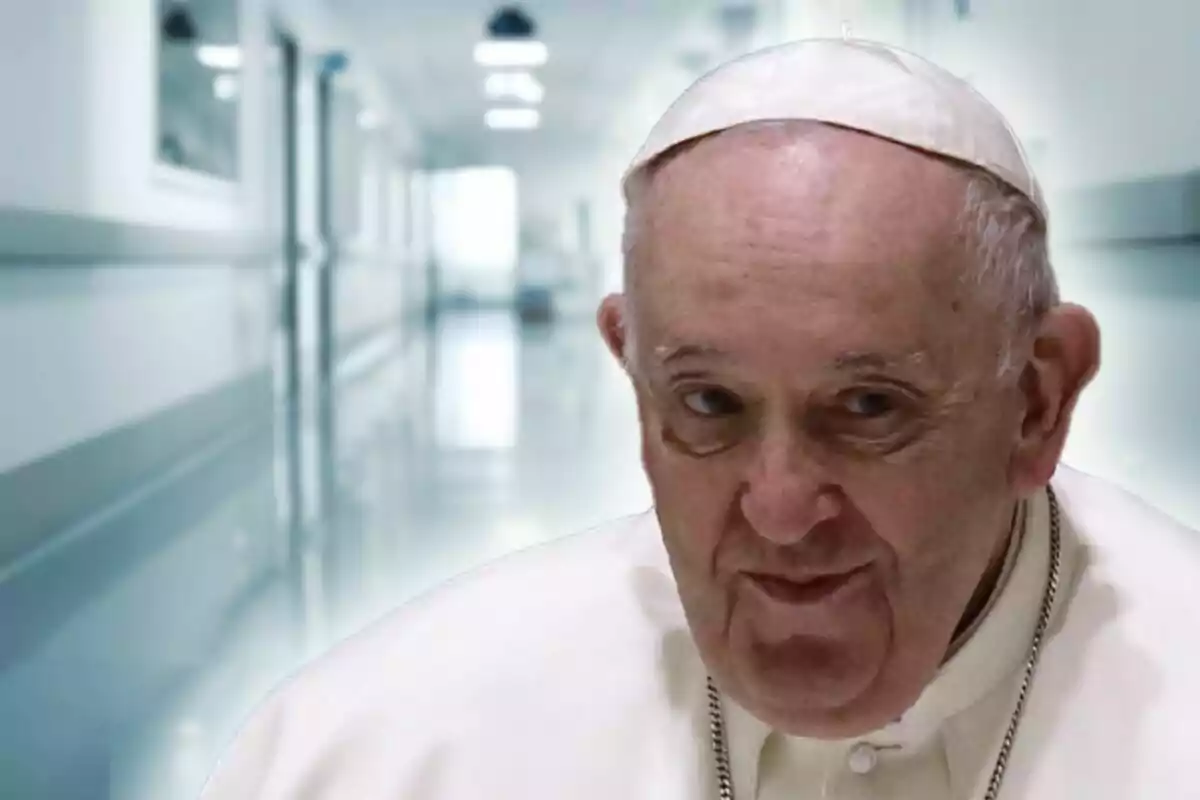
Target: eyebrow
[[690, 351]]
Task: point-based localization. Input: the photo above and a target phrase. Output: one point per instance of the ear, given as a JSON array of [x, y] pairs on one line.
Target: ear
[[1066, 356], [612, 320]]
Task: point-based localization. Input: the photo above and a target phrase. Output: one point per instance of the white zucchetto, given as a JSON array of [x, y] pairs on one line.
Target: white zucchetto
[[861, 85]]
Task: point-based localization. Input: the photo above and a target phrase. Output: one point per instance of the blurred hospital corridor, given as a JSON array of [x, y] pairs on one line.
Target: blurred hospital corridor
[[297, 313]]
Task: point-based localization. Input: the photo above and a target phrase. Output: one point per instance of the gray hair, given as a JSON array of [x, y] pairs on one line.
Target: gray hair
[[1006, 236], [1012, 271]]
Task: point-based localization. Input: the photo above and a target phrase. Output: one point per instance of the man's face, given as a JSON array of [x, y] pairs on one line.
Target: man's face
[[826, 439]]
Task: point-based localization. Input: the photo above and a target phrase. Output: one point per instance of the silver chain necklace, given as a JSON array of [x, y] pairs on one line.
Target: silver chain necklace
[[716, 719]]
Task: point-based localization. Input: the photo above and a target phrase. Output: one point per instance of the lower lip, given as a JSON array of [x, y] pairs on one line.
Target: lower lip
[[811, 591]]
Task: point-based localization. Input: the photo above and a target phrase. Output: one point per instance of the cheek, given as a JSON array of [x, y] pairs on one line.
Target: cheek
[[964, 458], [922, 510], [928, 511], [683, 484], [693, 499]]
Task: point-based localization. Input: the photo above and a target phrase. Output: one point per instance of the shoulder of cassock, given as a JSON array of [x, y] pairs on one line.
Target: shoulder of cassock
[[526, 674], [568, 669], [1114, 707]]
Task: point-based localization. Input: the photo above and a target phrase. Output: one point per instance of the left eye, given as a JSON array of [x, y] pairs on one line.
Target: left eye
[[869, 405]]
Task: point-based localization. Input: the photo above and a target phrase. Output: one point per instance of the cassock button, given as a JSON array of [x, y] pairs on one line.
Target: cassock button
[[862, 758]]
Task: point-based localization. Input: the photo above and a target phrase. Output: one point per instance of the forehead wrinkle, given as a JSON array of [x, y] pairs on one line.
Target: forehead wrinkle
[[873, 359], [912, 359]]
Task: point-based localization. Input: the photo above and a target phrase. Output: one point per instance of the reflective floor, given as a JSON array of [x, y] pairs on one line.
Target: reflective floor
[[128, 660]]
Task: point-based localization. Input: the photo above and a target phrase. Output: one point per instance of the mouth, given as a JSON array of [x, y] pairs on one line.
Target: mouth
[[800, 592]]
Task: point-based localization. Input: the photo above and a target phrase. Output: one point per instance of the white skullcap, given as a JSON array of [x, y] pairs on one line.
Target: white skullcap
[[865, 86]]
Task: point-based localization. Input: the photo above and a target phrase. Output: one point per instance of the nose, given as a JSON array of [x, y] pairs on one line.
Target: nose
[[786, 492]]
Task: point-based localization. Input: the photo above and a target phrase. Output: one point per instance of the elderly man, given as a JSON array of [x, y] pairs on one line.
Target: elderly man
[[865, 575]]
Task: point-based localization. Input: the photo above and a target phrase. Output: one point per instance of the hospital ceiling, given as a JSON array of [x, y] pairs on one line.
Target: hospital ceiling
[[601, 54]]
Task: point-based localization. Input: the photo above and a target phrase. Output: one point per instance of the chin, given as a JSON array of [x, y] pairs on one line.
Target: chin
[[814, 689]]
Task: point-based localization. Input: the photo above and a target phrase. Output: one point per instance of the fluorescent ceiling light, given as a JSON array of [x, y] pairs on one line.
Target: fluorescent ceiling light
[[512, 119], [511, 53], [225, 87], [219, 56], [520, 86]]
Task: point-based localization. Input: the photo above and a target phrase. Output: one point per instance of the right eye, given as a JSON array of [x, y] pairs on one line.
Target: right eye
[[706, 420], [711, 403]]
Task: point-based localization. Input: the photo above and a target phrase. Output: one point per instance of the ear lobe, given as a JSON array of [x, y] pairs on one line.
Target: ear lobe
[[1066, 357]]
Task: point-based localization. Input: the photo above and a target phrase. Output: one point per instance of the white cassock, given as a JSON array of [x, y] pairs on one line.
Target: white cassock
[[568, 672]]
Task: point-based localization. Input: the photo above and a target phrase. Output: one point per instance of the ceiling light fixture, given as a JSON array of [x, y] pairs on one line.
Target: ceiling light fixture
[[225, 87], [521, 86], [504, 53], [511, 22], [178, 25], [511, 41], [219, 56], [512, 119]]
